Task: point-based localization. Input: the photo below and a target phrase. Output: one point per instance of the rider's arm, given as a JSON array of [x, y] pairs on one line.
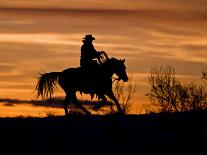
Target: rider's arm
[[96, 53]]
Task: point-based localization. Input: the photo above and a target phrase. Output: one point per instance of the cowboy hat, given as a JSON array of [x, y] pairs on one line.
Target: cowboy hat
[[89, 37]]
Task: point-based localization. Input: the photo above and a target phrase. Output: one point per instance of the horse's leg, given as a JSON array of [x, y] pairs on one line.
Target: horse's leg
[[110, 94], [101, 104], [65, 104], [75, 100]]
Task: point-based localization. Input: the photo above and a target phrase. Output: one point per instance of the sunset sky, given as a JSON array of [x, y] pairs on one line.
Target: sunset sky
[[44, 36]]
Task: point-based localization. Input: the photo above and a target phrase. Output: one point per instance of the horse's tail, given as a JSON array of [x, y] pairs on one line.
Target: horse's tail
[[46, 84]]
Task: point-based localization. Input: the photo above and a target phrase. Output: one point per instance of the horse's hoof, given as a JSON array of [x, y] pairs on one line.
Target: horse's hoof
[[96, 107], [121, 112], [87, 112]]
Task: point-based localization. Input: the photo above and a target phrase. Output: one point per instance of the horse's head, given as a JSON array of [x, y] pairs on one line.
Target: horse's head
[[119, 68]]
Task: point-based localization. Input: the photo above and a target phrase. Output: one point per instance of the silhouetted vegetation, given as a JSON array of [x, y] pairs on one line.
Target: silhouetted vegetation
[[124, 93], [168, 94], [204, 75]]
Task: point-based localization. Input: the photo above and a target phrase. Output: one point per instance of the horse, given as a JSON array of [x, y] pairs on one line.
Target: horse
[[72, 80]]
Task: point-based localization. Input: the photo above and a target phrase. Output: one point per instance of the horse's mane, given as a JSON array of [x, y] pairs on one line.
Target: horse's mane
[[109, 62]]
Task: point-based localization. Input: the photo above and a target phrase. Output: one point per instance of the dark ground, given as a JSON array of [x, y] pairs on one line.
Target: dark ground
[[181, 133]]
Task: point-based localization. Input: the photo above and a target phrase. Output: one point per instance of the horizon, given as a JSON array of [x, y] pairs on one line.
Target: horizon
[[37, 37]]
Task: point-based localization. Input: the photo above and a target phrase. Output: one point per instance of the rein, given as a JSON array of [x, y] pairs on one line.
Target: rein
[[116, 79]]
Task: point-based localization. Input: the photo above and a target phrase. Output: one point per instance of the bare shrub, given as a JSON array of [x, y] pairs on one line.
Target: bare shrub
[[170, 95], [204, 75], [163, 84]]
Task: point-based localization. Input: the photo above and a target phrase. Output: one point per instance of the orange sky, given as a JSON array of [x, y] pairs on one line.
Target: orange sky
[[37, 36]]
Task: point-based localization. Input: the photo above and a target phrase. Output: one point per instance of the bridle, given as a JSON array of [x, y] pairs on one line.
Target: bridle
[[103, 58]]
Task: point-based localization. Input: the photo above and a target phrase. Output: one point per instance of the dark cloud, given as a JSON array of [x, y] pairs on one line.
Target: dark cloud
[[54, 102], [182, 67], [6, 67], [198, 48], [48, 103], [112, 4]]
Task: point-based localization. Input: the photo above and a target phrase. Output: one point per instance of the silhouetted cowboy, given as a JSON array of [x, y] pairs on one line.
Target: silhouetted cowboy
[[89, 53]]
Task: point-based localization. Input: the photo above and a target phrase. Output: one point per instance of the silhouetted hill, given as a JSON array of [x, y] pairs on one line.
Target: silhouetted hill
[[109, 134]]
